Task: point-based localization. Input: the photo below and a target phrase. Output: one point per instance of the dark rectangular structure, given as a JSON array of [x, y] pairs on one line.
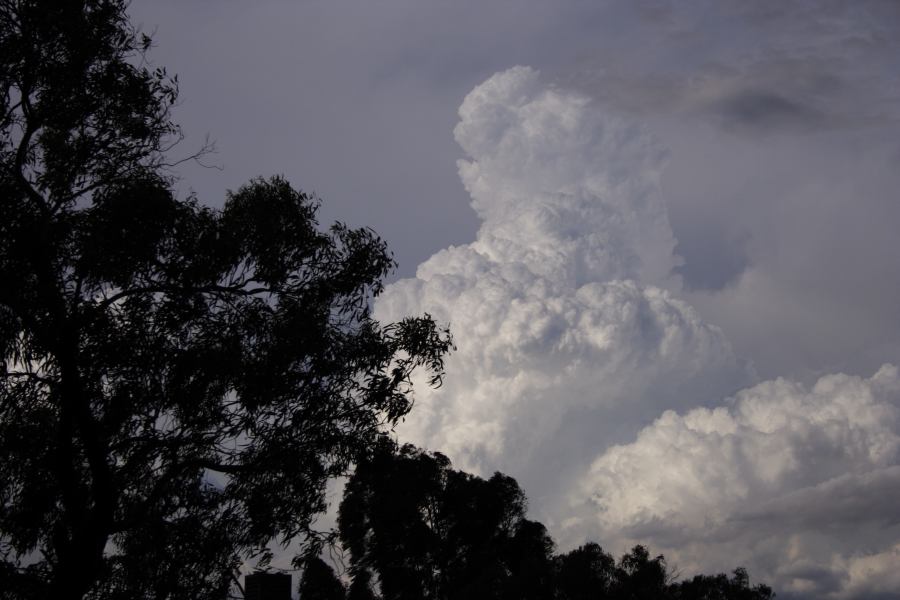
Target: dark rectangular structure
[[267, 586]]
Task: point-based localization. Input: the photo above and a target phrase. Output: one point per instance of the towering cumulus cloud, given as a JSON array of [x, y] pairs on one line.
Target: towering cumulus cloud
[[563, 348], [608, 398]]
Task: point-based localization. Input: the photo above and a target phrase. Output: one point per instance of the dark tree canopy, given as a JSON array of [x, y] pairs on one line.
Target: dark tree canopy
[[721, 587], [419, 529], [319, 581], [361, 587], [586, 573], [178, 383], [428, 531]]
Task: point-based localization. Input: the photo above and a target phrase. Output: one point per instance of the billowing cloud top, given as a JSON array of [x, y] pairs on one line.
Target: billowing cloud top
[[570, 192], [710, 460], [563, 348], [610, 399]]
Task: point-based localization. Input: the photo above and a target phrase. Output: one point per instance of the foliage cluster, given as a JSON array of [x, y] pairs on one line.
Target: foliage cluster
[[177, 383], [417, 529]]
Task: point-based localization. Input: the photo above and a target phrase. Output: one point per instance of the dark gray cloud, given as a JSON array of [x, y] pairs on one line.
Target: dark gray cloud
[[766, 109], [754, 68], [854, 500]]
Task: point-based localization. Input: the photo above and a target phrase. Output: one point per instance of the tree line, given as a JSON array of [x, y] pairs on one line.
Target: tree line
[[178, 383], [415, 528]]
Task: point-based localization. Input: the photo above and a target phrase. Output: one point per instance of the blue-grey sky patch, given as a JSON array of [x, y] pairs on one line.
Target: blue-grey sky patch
[[712, 261]]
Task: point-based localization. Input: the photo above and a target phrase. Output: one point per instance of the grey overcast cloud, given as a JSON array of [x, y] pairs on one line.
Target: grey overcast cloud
[[663, 233]]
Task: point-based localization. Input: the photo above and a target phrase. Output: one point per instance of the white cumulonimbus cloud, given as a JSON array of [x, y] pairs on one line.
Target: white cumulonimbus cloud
[[570, 348], [565, 342]]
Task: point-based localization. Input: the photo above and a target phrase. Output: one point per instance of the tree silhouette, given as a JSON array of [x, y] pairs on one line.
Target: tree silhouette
[[586, 573], [178, 383], [639, 577], [428, 531], [421, 529], [319, 582], [721, 587], [361, 587]]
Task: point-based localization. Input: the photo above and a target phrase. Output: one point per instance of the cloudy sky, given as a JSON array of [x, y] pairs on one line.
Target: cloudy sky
[[663, 233]]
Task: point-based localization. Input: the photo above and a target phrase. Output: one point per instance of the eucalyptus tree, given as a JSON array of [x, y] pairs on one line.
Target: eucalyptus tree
[[424, 530], [415, 528], [178, 383]]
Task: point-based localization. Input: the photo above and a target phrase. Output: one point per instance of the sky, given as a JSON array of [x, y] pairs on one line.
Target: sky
[[663, 234]]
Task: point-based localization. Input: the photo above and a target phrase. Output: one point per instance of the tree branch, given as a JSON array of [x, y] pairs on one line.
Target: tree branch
[[237, 290]]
